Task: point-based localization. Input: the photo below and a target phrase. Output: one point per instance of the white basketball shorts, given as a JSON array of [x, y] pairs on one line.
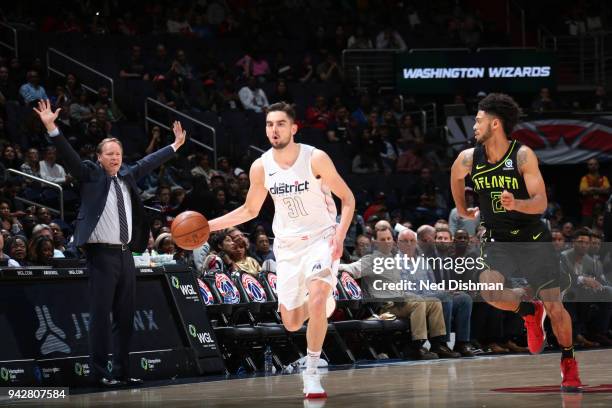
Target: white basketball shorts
[[299, 261]]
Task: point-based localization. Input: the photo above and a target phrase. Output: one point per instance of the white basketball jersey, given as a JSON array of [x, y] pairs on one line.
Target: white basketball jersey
[[303, 204]]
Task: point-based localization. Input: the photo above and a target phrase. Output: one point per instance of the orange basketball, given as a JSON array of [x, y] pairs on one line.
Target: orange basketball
[[190, 230]]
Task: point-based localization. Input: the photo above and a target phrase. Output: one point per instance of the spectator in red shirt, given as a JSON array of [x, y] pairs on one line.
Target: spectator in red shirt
[[319, 116], [594, 189]]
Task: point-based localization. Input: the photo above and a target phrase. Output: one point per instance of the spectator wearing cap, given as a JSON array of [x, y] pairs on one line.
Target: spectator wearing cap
[[455, 222]]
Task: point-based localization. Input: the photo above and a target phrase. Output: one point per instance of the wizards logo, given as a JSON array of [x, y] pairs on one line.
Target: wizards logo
[[336, 293], [351, 287], [272, 281], [206, 293], [228, 291], [253, 288]]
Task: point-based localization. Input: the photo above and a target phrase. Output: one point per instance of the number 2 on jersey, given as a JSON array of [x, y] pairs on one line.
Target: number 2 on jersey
[[496, 202], [295, 207]]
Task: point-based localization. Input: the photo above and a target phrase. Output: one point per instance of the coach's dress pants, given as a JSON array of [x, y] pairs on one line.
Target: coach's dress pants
[[112, 285]]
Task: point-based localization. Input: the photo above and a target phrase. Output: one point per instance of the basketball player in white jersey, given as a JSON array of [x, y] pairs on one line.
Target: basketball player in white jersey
[[308, 242]]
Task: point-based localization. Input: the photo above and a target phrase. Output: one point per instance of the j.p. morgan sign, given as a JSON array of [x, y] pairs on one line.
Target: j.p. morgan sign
[[444, 71]]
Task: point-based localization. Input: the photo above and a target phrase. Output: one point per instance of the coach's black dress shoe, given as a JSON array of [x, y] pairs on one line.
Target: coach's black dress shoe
[[105, 382], [131, 381]]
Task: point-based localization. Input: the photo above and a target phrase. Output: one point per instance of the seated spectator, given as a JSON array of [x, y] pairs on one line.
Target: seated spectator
[[31, 165], [44, 230], [359, 40], [306, 71], [104, 101], [411, 158], [73, 87], [389, 39], [59, 241], [17, 249], [160, 64], [181, 68], [8, 87], [282, 69], [8, 220], [281, 93], [81, 110], [262, 249], [589, 287], [9, 158], [218, 260], [253, 97], [203, 168], [360, 115], [32, 91], [254, 65], [244, 262], [231, 99], [543, 102], [409, 132], [366, 162], [135, 68], [363, 247], [341, 128], [319, 116], [40, 250], [456, 222], [50, 170], [11, 262], [329, 71]]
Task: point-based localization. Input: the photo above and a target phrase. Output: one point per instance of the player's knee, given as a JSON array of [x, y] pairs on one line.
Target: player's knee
[[316, 303], [292, 325]]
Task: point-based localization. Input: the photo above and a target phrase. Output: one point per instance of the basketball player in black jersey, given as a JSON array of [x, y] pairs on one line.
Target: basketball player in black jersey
[[512, 198]]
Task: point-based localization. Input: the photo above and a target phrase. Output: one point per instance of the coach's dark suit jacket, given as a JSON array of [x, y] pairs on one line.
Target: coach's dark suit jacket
[[95, 184]]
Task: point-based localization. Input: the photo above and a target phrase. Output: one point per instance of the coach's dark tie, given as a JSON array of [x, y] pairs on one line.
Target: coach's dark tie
[[123, 225]]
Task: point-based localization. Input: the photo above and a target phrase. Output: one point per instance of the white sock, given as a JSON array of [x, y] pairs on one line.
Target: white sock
[[312, 361]]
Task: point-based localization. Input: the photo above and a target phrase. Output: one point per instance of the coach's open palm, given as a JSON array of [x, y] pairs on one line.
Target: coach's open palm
[[179, 134], [46, 114]]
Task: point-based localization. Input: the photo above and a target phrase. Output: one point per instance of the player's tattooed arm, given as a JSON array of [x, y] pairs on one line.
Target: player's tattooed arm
[[522, 157], [460, 169], [467, 156]]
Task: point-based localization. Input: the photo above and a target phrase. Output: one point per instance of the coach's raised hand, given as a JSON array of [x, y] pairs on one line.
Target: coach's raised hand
[[46, 114], [179, 135]]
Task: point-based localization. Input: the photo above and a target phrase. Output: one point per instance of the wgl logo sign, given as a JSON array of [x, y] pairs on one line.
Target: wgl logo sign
[[203, 338], [185, 289]]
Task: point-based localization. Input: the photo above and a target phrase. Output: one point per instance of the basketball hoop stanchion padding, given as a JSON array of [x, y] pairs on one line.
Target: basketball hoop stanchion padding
[[44, 323]]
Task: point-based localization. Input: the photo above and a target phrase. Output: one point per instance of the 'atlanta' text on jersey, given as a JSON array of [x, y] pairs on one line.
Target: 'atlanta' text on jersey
[[490, 180]]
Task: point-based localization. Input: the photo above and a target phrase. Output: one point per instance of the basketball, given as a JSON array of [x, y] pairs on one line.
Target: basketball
[[190, 230]]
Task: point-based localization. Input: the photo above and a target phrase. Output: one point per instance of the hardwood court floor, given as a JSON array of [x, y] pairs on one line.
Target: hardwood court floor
[[453, 383]]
